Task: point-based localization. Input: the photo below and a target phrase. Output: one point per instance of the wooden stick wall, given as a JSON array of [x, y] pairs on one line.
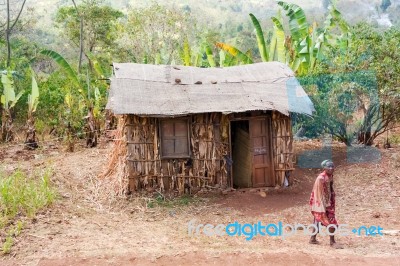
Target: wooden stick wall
[[209, 143], [282, 139]]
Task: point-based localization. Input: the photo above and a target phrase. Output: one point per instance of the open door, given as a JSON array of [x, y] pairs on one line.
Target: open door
[[241, 154], [261, 152]]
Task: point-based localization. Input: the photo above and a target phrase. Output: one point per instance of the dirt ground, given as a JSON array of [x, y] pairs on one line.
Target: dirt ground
[[80, 230]]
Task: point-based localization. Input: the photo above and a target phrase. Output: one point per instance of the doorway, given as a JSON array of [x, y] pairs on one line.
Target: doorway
[[251, 147], [241, 154]]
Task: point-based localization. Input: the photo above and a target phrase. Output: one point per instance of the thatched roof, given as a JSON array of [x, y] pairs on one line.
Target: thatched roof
[[163, 90]]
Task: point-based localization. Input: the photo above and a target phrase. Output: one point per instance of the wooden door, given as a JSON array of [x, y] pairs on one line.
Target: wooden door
[[260, 135]]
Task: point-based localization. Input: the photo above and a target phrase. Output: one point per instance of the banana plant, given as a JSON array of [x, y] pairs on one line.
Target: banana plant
[[33, 101], [306, 46], [277, 50], [281, 48], [85, 101], [298, 24], [313, 45], [94, 115], [335, 19], [299, 34], [8, 100], [303, 47], [202, 57]]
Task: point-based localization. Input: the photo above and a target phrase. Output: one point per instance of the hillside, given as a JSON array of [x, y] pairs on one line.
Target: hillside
[[224, 11], [224, 14], [229, 18]]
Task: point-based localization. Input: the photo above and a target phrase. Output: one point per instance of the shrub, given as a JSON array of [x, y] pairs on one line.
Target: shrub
[[22, 196]]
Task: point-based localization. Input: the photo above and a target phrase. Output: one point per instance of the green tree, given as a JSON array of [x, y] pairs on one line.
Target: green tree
[[156, 34], [357, 89], [81, 94], [33, 101], [99, 28], [13, 12]]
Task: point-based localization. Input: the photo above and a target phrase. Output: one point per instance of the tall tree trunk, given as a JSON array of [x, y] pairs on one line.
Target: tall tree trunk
[[8, 34], [9, 29], [80, 37], [80, 45]]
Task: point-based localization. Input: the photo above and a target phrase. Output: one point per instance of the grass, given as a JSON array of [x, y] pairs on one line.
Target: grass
[[22, 196], [161, 201]]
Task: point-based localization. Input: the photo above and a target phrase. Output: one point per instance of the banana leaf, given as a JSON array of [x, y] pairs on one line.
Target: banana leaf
[[197, 61], [99, 71], [272, 48], [334, 19], [280, 40], [16, 99], [63, 64], [249, 55], [296, 64], [8, 90], [236, 53], [33, 98], [298, 24], [210, 56], [8, 99], [221, 58], [260, 38]]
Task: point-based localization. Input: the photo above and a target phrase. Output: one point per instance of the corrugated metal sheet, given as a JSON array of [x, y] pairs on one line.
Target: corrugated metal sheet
[[156, 90]]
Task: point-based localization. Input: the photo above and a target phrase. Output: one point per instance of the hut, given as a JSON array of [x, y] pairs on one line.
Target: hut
[[186, 127]]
